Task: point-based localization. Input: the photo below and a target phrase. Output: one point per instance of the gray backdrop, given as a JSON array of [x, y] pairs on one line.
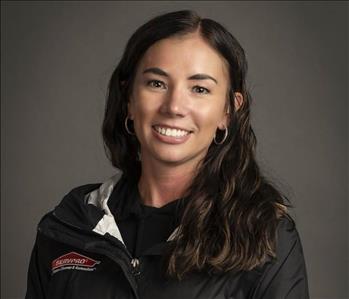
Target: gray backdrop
[[56, 59]]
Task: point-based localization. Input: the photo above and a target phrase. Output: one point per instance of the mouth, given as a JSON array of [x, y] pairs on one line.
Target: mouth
[[171, 132]]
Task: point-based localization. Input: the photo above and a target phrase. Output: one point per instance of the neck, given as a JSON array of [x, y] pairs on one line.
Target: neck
[[161, 183]]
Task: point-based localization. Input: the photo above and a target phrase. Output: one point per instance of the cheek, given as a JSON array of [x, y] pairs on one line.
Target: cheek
[[209, 117], [144, 109]]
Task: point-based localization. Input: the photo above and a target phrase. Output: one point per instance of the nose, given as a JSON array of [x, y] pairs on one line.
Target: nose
[[175, 102]]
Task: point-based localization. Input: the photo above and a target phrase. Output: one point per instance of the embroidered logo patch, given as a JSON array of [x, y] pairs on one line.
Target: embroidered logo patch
[[73, 261]]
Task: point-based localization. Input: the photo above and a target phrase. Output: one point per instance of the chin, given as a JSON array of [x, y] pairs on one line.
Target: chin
[[174, 156], [172, 159], [176, 159]]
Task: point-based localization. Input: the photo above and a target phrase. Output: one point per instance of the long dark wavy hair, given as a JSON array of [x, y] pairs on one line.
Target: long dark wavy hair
[[230, 220]]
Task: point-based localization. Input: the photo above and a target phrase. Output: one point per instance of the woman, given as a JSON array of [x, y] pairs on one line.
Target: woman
[[190, 215]]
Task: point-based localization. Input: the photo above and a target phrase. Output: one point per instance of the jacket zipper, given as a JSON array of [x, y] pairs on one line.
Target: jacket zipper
[[136, 266]]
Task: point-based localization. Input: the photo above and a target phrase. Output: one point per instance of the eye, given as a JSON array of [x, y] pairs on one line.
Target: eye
[[155, 83], [200, 89]]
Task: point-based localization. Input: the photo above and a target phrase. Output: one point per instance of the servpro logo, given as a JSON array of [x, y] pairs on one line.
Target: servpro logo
[[73, 261]]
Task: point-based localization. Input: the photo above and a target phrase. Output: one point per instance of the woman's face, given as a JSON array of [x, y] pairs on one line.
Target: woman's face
[[178, 100]]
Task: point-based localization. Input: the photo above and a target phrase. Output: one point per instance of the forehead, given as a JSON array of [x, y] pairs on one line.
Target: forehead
[[185, 55]]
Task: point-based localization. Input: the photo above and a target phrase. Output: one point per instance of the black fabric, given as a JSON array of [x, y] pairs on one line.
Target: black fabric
[[65, 231], [141, 226]]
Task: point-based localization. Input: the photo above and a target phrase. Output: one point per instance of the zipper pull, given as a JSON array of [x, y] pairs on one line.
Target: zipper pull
[[135, 266]]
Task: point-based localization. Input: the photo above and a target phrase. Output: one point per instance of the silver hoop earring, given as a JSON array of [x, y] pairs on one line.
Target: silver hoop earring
[[126, 127], [225, 137]]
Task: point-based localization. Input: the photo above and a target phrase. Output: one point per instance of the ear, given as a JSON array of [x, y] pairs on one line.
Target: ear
[[238, 100]]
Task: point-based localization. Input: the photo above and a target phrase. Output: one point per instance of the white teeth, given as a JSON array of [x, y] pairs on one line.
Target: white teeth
[[171, 132]]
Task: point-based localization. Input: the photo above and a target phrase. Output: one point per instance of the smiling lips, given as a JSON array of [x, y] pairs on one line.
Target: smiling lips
[[171, 135], [171, 132]]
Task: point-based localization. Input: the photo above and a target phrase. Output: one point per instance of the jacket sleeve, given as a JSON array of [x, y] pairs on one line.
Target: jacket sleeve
[[286, 276], [38, 277]]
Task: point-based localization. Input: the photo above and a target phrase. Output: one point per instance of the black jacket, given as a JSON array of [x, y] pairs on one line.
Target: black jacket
[[79, 253]]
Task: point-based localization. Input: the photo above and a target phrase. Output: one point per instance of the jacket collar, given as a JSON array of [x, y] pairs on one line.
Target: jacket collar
[[86, 207], [100, 198]]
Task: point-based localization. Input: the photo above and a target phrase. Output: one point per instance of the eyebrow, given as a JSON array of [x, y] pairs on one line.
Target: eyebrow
[[160, 72]]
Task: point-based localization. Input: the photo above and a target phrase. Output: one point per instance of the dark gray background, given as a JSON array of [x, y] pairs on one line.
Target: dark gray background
[[56, 59]]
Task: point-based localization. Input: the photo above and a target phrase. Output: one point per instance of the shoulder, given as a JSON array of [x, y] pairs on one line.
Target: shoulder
[[80, 195], [79, 192], [71, 206], [285, 275], [76, 197], [84, 204], [288, 241], [287, 230]]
